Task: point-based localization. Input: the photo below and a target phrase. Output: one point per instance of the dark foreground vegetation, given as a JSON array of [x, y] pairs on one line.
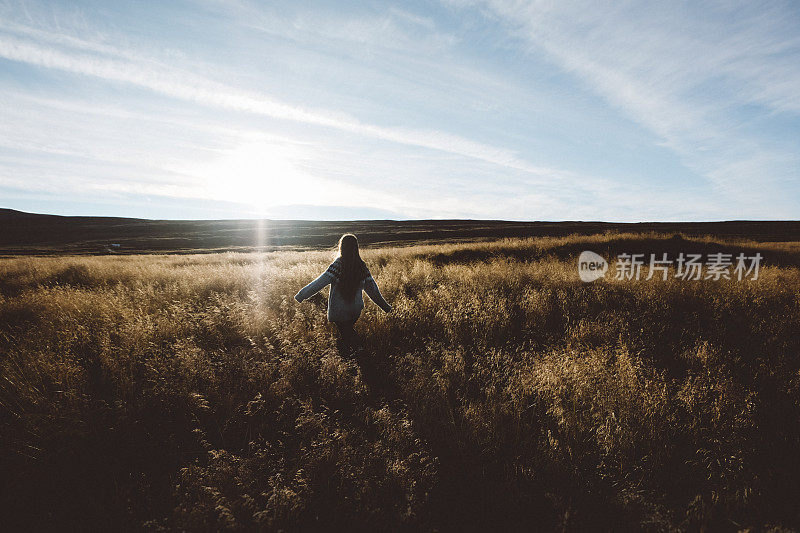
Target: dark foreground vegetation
[[192, 393]]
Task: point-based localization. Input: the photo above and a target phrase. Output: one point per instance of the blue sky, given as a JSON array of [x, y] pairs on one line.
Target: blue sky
[[618, 111]]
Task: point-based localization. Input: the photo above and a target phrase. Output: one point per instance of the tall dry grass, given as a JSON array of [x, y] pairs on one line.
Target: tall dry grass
[[193, 393]]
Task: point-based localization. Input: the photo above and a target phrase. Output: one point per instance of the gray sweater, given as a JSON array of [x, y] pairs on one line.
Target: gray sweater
[[339, 309]]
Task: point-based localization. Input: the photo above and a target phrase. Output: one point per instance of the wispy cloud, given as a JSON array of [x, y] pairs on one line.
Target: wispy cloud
[[683, 71], [393, 28], [127, 67]]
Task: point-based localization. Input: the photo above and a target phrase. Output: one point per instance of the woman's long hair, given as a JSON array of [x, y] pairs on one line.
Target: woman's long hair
[[353, 267]]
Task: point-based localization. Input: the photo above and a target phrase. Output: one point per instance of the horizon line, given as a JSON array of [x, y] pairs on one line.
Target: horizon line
[[512, 221]]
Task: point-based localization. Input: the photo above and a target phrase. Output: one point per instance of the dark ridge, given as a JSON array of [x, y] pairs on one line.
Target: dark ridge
[[613, 247], [28, 233]]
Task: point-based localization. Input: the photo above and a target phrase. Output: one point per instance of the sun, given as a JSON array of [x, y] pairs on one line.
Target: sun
[[263, 174]]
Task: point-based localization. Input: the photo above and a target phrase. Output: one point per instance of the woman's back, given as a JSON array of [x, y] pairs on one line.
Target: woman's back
[[341, 306]]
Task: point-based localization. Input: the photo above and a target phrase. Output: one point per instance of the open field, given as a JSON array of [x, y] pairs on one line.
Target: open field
[[190, 392]]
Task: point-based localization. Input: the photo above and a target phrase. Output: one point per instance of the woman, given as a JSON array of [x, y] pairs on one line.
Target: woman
[[348, 276]]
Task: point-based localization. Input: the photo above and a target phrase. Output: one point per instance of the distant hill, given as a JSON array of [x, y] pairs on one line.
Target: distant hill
[[31, 233], [7, 214]]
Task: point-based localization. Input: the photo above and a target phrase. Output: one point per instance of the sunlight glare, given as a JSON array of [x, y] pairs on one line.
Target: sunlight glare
[[264, 173]]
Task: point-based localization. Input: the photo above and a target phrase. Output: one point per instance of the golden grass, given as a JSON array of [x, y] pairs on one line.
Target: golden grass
[[191, 392]]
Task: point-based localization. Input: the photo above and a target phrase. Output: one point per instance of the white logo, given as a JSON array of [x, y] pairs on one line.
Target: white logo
[[591, 266]]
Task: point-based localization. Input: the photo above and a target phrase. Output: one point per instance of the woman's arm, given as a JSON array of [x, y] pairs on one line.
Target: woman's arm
[[314, 287], [371, 288]]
